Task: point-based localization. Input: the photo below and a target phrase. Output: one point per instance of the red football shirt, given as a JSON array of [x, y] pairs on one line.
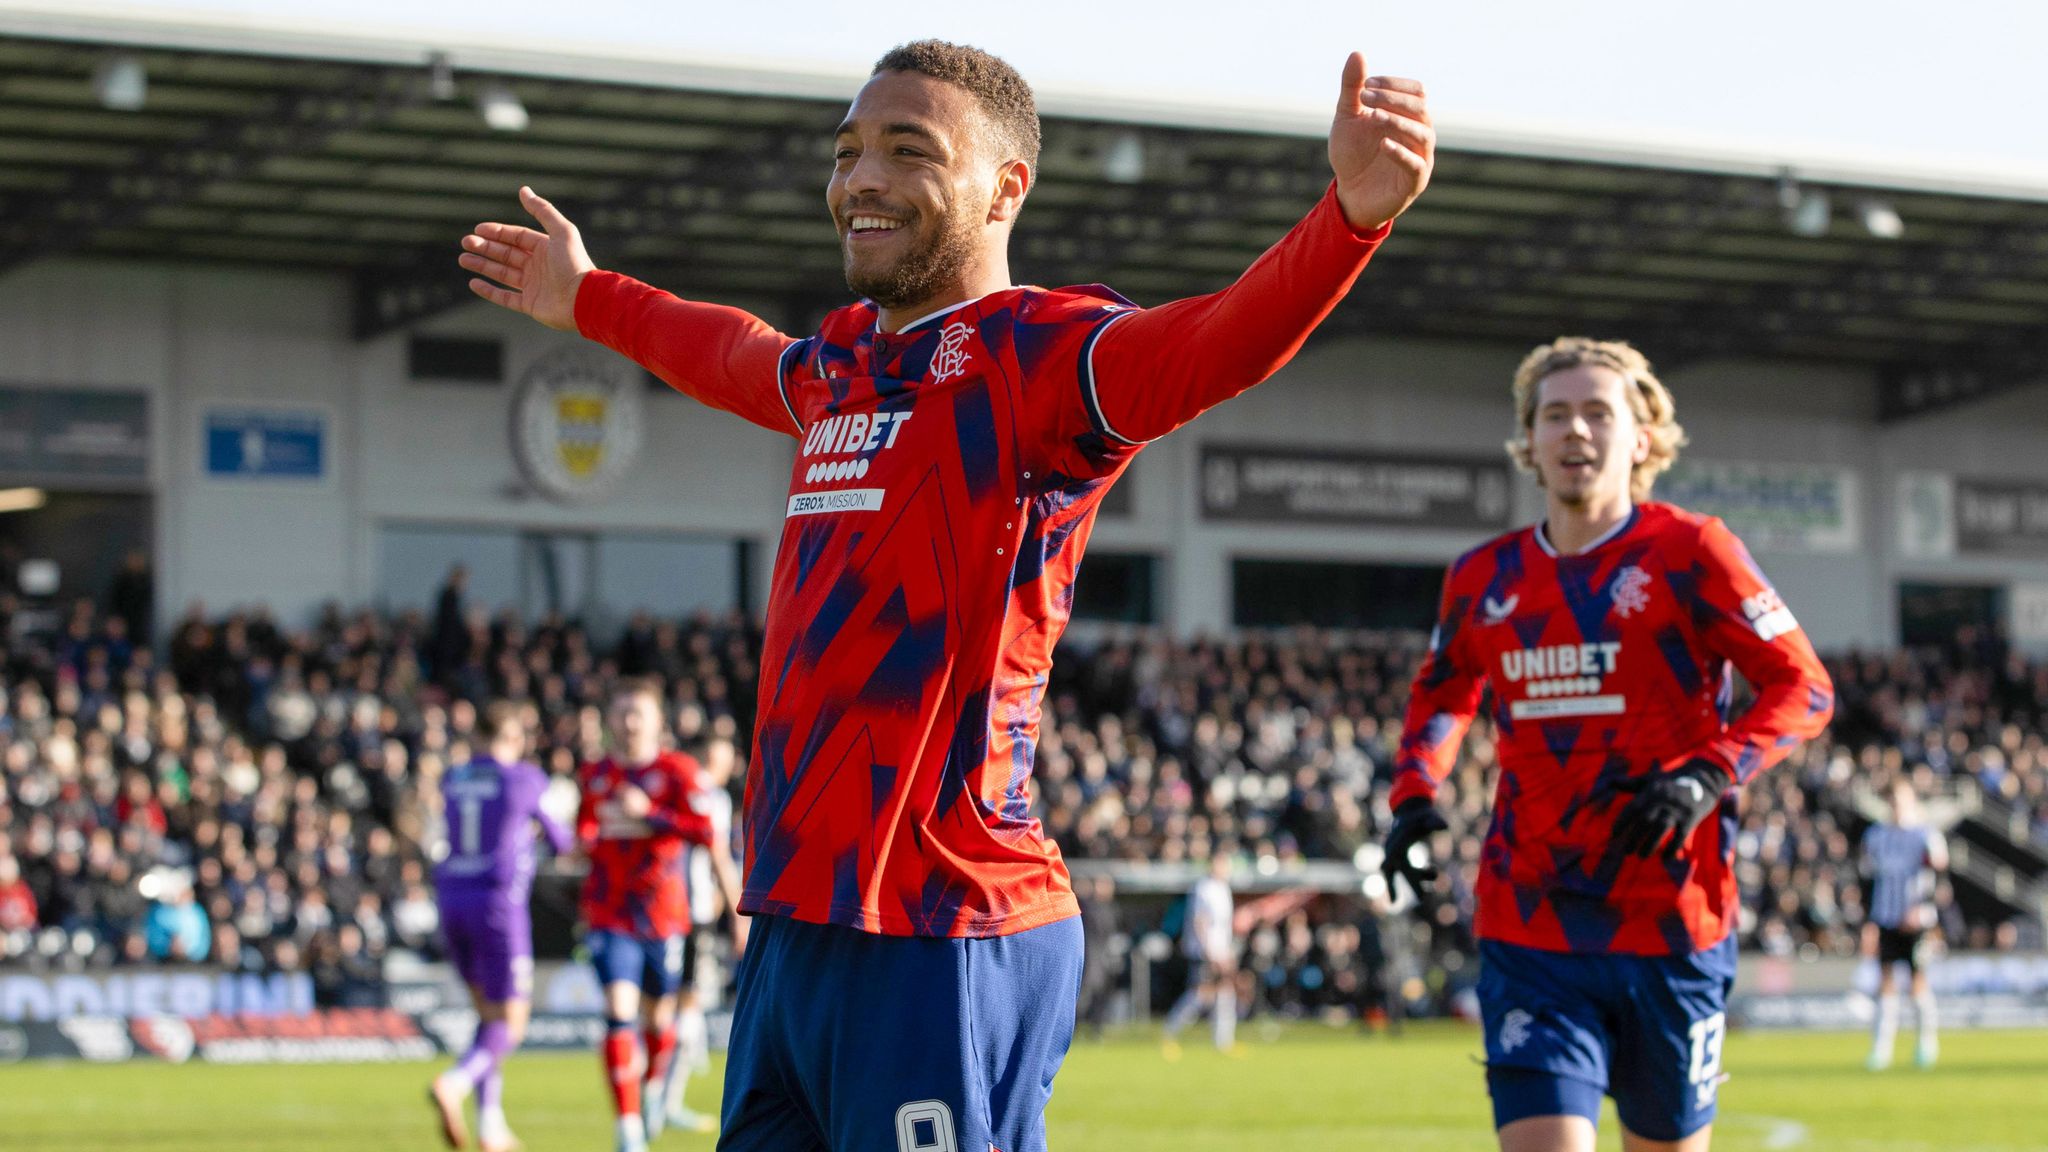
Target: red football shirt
[[945, 483], [1606, 664], [636, 883]]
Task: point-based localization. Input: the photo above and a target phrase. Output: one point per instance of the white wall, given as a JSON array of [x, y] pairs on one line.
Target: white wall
[[192, 337], [440, 453]]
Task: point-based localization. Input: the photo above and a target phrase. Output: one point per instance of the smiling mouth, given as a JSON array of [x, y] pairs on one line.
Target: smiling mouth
[[867, 224]]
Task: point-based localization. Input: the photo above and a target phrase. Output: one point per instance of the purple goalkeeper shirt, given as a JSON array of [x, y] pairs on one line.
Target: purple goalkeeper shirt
[[490, 809]]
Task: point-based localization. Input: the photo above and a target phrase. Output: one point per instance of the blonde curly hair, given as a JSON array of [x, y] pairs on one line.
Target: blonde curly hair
[[1648, 398]]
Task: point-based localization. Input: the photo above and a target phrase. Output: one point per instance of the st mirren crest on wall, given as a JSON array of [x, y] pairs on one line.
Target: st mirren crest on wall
[[577, 423]]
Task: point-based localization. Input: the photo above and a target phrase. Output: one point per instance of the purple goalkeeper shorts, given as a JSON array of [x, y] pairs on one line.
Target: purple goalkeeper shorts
[[490, 942]]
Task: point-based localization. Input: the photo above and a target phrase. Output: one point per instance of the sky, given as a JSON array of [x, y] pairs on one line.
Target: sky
[[1944, 93]]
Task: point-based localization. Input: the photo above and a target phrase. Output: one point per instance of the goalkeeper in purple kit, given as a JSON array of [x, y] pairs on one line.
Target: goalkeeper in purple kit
[[491, 805]]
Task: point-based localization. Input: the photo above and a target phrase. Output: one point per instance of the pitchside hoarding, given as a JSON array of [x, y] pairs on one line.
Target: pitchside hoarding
[[1974, 990]]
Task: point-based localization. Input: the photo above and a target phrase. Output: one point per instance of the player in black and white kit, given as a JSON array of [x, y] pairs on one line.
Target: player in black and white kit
[[714, 893], [1209, 939], [1900, 860]]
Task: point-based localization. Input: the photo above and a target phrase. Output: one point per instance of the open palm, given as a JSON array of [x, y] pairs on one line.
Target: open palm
[[539, 271], [1382, 146]]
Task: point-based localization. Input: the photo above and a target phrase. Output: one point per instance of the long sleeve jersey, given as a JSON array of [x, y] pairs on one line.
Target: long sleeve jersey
[[1609, 663], [637, 883], [946, 480]]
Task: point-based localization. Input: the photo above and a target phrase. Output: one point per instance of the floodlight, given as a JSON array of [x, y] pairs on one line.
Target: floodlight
[[502, 110], [120, 83], [1807, 211], [1880, 219], [440, 77], [1123, 162]]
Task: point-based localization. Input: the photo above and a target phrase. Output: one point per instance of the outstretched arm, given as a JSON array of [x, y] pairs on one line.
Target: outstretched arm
[[720, 356], [1157, 369]]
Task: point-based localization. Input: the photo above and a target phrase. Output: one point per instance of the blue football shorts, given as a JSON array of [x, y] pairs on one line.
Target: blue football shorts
[[856, 1042], [1564, 1028]]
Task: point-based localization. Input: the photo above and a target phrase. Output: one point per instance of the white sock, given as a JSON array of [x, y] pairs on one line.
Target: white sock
[[1885, 1029], [1930, 1024], [1184, 1010], [693, 1043], [1226, 1017]]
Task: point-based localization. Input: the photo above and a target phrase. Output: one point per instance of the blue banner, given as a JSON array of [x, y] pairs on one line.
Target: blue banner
[[265, 443]]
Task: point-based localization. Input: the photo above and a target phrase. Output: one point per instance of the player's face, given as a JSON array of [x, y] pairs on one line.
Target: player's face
[[1586, 441], [718, 762], [510, 738], [636, 721], [910, 188]]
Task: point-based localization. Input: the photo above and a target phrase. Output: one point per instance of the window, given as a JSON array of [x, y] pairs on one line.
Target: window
[[1334, 594], [1936, 614], [446, 359], [1119, 587]]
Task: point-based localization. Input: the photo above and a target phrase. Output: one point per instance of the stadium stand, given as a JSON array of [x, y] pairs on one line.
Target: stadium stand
[[257, 796]]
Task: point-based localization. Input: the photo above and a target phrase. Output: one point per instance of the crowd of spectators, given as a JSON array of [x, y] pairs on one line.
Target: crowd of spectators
[[261, 797]]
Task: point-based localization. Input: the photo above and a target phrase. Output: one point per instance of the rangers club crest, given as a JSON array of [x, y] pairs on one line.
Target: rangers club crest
[[951, 358], [1631, 591], [1514, 1029]]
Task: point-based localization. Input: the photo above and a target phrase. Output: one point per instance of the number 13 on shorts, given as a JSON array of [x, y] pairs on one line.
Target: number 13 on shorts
[[1705, 1072]]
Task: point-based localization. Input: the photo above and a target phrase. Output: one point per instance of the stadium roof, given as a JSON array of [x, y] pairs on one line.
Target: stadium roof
[[288, 149]]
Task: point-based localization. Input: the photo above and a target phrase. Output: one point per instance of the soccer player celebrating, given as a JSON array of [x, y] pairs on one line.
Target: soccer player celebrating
[[491, 805], [1606, 889], [1900, 859], [636, 822], [914, 955]]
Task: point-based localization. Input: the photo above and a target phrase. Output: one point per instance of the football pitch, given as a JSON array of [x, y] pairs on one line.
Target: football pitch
[[1305, 1088]]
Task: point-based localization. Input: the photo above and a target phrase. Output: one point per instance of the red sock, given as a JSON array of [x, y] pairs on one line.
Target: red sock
[[661, 1049], [622, 1066]]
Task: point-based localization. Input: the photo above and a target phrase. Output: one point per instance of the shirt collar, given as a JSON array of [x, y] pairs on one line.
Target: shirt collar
[[926, 318], [1549, 549]]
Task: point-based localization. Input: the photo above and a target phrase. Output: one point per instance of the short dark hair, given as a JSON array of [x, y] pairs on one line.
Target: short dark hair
[[501, 715], [998, 90], [632, 686]]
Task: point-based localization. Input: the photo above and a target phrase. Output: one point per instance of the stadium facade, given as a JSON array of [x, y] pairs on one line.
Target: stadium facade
[[184, 371]]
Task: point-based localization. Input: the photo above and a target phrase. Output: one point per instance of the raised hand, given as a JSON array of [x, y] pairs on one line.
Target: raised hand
[[1382, 146], [539, 271]]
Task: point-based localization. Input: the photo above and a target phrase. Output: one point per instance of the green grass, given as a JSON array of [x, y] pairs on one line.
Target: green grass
[[1308, 1089]]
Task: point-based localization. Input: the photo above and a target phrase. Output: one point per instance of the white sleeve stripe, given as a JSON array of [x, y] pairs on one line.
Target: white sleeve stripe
[[781, 385], [1088, 395]]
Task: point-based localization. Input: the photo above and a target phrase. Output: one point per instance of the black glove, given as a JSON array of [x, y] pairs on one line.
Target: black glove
[[1414, 822], [1666, 807]]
